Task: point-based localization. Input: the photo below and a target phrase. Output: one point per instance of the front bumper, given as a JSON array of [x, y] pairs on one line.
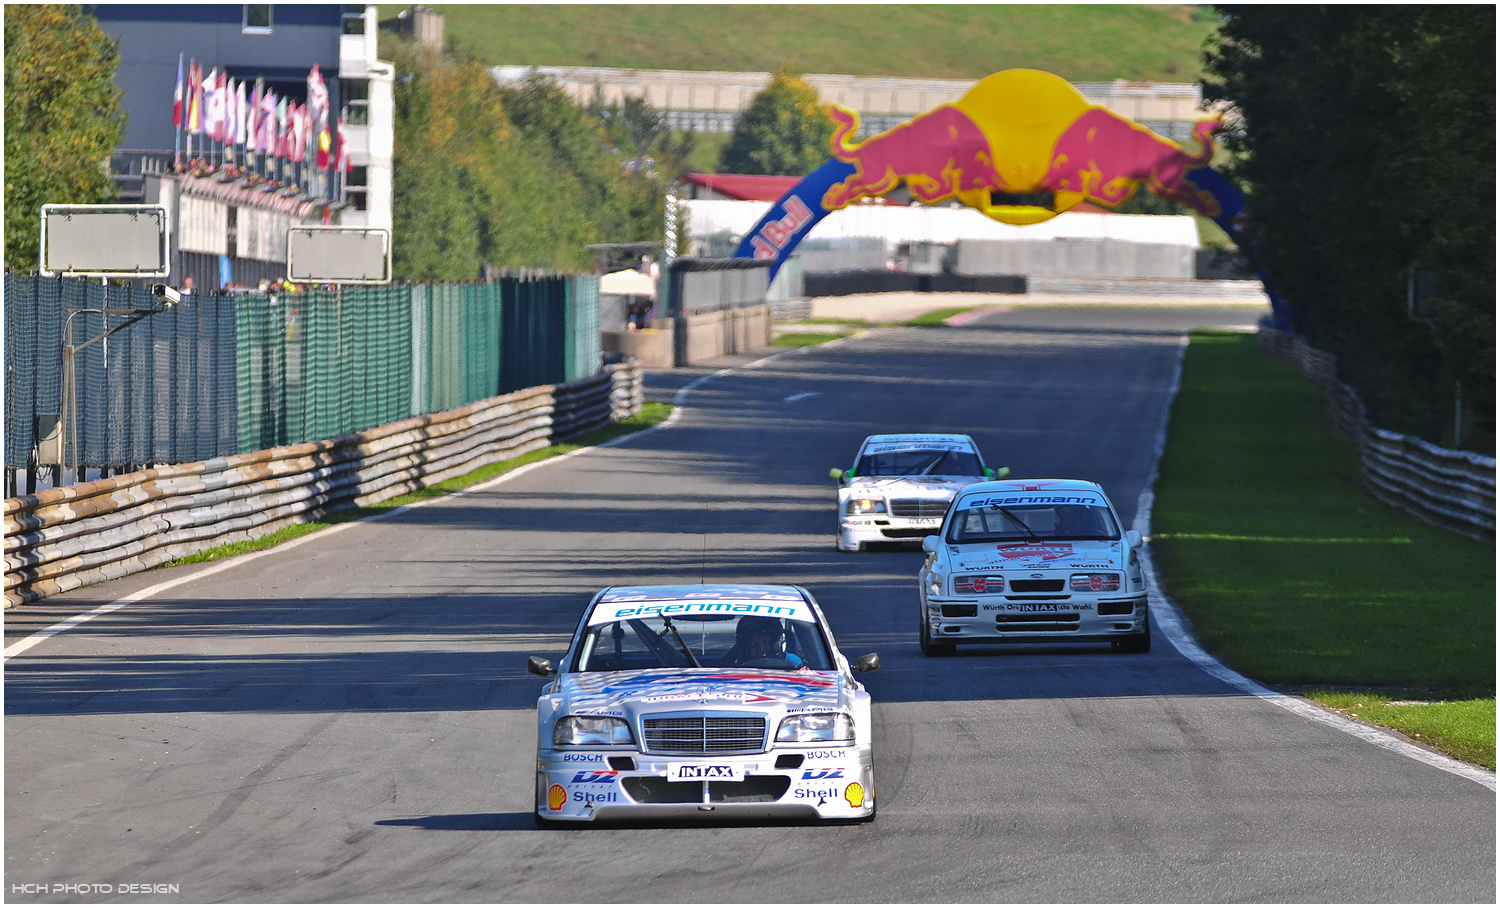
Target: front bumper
[[881, 528], [826, 783], [1019, 619]]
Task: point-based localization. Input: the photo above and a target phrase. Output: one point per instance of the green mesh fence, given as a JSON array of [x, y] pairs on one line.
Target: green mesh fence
[[150, 386], [445, 347], [220, 374]]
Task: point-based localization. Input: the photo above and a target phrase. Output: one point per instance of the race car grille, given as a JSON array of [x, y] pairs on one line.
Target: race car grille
[[657, 790], [1045, 621], [1037, 586], [918, 507], [704, 734]]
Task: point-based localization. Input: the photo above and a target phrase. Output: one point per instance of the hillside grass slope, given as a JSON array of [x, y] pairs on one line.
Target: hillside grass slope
[[1082, 43]]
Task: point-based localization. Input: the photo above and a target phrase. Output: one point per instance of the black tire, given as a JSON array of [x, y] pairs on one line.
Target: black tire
[[934, 649], [1135, 643]]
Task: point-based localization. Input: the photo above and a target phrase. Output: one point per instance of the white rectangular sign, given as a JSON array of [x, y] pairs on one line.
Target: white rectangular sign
[[105, 240], [338, 255]]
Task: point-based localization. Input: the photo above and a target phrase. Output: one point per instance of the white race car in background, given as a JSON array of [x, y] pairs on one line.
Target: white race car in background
[[677, 701], [900, 486], [1033, 561]]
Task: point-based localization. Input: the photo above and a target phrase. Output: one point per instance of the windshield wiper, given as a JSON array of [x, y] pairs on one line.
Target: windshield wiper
[[680, 642], [1031, 535], [927, 470]]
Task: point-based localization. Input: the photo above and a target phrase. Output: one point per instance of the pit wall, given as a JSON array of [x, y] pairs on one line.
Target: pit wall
[[694, 338]]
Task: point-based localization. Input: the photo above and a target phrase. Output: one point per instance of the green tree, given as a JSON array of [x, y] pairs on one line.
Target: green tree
[[62, 118], [514, 177], [784, 131], [1365, 138], [640, 134]]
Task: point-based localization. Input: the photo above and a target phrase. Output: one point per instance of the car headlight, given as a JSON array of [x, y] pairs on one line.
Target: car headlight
[[865, 506], [978, 583], [1094, 583], [590, 731], [815, 728]]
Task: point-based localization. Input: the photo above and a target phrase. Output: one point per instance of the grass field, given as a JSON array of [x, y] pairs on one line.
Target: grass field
[[1294, 576], [806, 338], [1082, 43]]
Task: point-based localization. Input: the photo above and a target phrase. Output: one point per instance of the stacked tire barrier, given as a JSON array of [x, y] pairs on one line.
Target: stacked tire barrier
[[1454, 490], [65, 538]]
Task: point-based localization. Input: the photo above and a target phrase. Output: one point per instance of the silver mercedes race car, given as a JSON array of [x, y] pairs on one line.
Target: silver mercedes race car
[[900, 487], [677, 701], [1032, 561]]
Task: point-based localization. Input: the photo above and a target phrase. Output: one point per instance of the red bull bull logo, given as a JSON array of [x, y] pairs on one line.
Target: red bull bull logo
[[938, 154], [1103, 157], [1020, 132]]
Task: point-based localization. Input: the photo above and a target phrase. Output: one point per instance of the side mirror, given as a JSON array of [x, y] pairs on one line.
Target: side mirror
[[930, 544], [1133, 538], [1002, 472], [539, 666], [868, 662], [836, 473]]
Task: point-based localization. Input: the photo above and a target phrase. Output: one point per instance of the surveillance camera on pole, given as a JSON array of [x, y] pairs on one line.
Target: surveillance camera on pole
[[168, 295]]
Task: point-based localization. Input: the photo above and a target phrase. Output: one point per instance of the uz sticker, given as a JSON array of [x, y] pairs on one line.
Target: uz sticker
[[595, 776], [822, 773]]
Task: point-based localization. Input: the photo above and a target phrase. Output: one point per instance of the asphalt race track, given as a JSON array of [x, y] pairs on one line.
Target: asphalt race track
[[348, 718]]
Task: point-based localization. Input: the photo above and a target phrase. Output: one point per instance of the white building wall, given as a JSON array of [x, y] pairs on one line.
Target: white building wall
[[371, 146]]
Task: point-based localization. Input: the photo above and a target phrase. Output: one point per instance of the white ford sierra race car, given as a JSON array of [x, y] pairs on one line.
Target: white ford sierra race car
[[1032, 561], [677, 701], [901, 485]]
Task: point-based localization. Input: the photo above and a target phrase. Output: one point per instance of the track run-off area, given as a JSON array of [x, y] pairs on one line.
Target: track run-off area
[[348, 717]]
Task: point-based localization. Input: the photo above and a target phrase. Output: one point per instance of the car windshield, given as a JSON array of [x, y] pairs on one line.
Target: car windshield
[[993, 523], [919, 462], [714, 641]]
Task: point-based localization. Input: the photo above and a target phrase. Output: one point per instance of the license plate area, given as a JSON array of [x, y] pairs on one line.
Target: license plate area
[[705, 772]]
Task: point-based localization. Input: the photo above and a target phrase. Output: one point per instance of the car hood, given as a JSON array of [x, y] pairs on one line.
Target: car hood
[[654, 690], [1072, 554], [944, 487]]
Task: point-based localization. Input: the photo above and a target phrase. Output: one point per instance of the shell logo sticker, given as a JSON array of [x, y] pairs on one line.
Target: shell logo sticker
[[556, 797], [854, 793]]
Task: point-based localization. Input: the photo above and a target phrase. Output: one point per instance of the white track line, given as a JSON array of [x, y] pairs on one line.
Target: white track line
[[1171, 622]]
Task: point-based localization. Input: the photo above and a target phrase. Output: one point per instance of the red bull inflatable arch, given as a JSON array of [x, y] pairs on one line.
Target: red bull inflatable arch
[[1016, 133]]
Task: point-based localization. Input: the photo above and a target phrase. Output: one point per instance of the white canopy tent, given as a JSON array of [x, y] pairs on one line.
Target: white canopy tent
[[628, 283]]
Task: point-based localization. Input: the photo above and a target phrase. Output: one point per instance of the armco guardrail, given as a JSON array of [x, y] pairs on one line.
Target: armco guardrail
[[69, 537], [1450, 489]]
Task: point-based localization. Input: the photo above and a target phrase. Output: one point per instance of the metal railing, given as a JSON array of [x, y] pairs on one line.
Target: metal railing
[[1454, 490]]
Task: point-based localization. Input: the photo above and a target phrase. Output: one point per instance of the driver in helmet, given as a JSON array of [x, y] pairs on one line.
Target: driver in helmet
[[758, 639]]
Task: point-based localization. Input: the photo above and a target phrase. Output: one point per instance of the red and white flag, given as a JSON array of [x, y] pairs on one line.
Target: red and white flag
[[177, 95], [213, 105], [252, 121], [241, 116], [343, 159], [298, 132], [317, 109], [231, 113]]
